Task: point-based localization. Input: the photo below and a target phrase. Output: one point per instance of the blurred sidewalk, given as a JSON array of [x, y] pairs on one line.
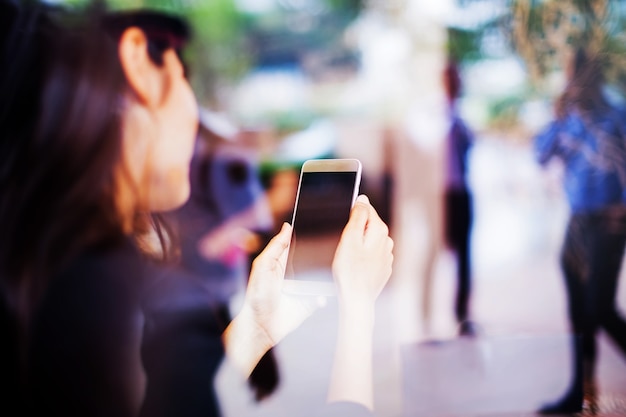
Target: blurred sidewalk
[[518, 293]]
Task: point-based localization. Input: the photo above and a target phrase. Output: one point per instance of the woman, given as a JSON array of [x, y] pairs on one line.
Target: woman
[[97, 129]]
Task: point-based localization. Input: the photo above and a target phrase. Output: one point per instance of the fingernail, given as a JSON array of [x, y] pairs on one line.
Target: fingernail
[[363, 199]]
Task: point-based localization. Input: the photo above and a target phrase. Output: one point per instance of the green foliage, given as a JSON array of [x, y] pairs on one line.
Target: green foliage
[[217, 53], [504, 112], [545, 34], [227, 42], [464, 44], [291, 121]]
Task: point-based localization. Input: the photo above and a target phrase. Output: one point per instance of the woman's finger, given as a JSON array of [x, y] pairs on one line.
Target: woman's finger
[[277, 247], [376, 227], [359, 215]]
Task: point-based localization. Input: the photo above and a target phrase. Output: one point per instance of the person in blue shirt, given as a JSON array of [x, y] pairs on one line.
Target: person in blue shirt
[[222, 224], [458, 199], [589, 137]]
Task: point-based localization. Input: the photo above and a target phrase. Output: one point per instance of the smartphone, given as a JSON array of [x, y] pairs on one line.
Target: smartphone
[[327, 190]]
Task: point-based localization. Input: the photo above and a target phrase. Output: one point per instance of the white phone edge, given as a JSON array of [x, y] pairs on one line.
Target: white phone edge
[[317, 288]]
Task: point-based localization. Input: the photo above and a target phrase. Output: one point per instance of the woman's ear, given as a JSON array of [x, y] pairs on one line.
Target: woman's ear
[[145, 78]]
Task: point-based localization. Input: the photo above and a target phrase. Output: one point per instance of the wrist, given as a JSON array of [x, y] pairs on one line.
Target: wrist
[[352, 374], [245, 341], [357, 311], [249, 317]]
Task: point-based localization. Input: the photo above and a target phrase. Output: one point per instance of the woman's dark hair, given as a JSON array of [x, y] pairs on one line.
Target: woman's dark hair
[[163, 31], [584, 87], [62, 89]]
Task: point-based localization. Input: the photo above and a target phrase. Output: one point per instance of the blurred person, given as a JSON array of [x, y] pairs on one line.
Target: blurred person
[[223, 223], [97, 126], [458, 198], [589, 137]]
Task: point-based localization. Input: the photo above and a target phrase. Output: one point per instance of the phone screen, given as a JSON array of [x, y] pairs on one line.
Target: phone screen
[[322, 211]]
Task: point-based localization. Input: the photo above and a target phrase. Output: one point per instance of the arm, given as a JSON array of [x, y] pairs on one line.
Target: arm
[[245, 339], [268, 314], [546, 143], [352, 371], [362, 267], [245, 342]]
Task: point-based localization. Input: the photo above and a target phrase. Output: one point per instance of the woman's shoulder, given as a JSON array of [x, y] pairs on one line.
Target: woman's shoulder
[[117, 263], [85, 335], [99, 282]]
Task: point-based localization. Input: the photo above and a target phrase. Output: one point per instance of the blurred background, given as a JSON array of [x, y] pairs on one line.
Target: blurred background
[[301, 79]]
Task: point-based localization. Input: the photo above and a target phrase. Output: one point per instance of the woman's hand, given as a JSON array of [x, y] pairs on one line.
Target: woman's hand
[[363, 260], [275, 311], [268, 314], [362, 267]]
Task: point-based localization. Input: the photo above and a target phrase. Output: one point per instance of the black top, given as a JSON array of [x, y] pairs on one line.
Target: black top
[[116, 337], [85, 338]]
